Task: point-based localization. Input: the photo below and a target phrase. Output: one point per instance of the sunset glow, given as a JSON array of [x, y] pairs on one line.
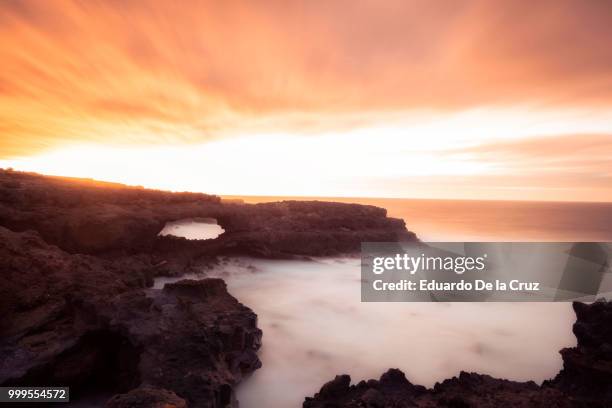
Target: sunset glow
[[409, 99]]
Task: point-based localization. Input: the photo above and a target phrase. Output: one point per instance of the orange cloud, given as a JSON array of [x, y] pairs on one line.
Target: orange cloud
[[135, 72], [581, 157]]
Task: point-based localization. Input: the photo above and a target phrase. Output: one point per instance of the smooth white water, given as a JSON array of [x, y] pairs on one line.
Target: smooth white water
[[193, 228], [315, 327]]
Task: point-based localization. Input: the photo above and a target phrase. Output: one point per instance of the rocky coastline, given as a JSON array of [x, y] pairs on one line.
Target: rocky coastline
[[78, 259]]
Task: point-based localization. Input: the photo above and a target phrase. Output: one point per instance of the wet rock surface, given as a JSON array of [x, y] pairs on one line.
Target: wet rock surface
[[584, 381]]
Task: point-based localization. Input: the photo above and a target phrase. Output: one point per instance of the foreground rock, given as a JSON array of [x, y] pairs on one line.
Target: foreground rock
[[587, 368], [91, 324], [584, 381]]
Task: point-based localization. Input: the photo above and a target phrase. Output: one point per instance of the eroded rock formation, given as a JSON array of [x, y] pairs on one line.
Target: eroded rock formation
[[92, 324], [83, 216], [77, 260]]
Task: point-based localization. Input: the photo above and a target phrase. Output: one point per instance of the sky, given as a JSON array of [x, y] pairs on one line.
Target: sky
[[462, 99]]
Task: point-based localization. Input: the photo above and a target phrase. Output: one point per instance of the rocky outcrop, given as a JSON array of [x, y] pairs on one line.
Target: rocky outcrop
[[467, 390], [78, 257], [584, 381], [587, 368], [84, 216], [92, 324]]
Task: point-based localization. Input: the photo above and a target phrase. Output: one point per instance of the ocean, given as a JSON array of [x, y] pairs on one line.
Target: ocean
[[472, 220]]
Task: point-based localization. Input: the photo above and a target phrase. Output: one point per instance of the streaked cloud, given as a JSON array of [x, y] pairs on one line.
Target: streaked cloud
[[588, 156], [451, 85]]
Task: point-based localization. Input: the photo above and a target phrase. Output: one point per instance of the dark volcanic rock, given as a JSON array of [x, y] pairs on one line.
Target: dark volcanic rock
[[467, 390], [91, 324], [147, 397], [78, 257], [477, 390], [84, 216], [587, 368], [585, 381]]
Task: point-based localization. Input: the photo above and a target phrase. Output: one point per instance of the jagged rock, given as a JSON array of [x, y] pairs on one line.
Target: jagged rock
[[336, 387], [587, 368], [584, 381], [86, 322], [477, 390], [467, 390]]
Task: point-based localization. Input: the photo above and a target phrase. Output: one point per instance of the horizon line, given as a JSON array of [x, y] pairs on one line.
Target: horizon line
[[233, 195]]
